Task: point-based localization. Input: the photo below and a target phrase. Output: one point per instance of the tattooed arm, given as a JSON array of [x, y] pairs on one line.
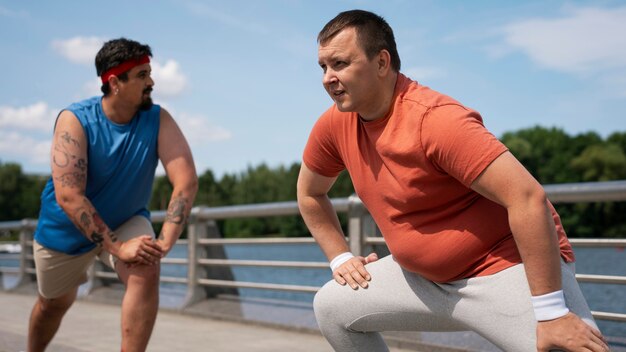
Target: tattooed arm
[[178, 162], [69, 173]]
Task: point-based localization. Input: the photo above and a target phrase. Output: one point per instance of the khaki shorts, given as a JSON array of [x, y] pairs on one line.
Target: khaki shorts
[[59, 273]]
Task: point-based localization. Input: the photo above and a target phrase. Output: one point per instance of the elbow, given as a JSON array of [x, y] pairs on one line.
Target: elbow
[[533, 198], [192, 186], [66, 200]]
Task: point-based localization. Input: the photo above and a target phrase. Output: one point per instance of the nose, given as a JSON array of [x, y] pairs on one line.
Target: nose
[[329, 77], [150, 81]]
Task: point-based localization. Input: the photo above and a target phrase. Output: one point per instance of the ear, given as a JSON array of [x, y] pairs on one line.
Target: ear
[[384, 62], [114, 82]]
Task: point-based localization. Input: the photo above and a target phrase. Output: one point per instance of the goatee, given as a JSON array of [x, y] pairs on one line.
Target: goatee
[[146, 104]]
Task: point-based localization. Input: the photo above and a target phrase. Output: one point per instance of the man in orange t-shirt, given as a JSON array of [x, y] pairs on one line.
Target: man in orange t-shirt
[[475, 244]]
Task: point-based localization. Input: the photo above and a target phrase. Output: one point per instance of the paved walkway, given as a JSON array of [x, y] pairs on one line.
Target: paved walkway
[[94, 327]]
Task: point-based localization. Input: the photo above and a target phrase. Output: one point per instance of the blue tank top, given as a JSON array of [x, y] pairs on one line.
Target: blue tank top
[[121, 162]]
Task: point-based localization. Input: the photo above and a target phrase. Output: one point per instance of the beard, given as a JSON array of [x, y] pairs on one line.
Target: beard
[[147, 103]]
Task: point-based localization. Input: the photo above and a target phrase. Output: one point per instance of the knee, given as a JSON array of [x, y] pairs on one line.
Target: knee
[[54, 306], [328, 304], [145, 274]]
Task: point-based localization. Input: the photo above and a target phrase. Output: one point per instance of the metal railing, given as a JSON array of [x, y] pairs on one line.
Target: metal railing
[[202, 234]]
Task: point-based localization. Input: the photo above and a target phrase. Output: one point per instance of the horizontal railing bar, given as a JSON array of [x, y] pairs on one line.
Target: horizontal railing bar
[[609, 316], [174, 280], [586, 192], [257, 285], [251, 210], [267, 240], [576, 242], [9, 269], [598, 242], [106, 275], [264, 263], [601, 279], [176, 261]]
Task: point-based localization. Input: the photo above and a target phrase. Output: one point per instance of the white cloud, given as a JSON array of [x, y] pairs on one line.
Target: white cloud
[[38, 116], [424, 73], [24, 149], [198, 130], [168, 79], [80, 50], [585, 40]]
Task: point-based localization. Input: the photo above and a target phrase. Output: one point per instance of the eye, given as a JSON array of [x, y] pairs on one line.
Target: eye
[[323, 68], [339, 64]]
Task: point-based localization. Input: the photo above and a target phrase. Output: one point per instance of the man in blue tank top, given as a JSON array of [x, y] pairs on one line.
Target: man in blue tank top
[[105, 151]]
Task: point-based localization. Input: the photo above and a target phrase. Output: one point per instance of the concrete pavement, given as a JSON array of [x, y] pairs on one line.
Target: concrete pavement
[[94, 327]]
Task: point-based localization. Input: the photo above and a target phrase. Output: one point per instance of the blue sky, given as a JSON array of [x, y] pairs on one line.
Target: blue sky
[[242, 80]]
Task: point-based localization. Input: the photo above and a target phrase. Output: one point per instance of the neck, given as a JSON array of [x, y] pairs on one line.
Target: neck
[[116, 111], [385, 101]]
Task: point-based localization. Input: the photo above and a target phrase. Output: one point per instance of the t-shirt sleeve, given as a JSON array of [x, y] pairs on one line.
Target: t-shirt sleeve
[[457, 143], [321, 153]]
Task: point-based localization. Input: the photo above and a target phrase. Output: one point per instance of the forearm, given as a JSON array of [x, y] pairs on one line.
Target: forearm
[[86, 218], [323, 223], [535, 234], [177, 214]]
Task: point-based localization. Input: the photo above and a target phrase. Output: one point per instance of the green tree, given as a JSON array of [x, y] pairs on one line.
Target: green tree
[[19, 193]]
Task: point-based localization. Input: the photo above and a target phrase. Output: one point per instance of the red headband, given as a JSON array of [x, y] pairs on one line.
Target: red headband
[[123, 67]]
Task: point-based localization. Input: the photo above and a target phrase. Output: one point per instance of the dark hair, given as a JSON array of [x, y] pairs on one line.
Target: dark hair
[[116, 51], [372, 31]]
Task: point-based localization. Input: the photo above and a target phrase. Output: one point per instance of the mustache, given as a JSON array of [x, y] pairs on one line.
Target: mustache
[[147, 90]]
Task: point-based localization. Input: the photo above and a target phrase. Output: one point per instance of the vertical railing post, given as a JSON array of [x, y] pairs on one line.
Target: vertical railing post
[[196, 229], [26, 243], [355, 225]]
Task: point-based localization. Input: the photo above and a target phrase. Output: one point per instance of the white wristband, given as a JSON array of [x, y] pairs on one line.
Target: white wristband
[[340, 259], [549, 306]]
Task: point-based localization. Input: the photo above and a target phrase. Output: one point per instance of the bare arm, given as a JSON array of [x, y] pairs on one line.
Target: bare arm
[[321, 219], [509, 184], [69, 173], [178, 162]]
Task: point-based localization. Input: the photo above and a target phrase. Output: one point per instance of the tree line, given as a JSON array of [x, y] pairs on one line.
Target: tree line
[[551, 155]]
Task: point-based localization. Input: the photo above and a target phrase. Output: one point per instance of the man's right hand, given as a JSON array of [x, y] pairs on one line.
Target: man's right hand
[[569, 333], [353, 272], [140, 250]]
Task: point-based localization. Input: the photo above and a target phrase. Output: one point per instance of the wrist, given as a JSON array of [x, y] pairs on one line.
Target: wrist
[[340, 259], [113, 247], [549, 306]]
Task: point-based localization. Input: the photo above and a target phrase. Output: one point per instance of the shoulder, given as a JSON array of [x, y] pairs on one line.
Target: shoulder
[[85, 104]]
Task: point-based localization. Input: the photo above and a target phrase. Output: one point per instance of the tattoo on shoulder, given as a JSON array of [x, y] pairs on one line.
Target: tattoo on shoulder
[[176, 210], [62, 155], [68, 139]]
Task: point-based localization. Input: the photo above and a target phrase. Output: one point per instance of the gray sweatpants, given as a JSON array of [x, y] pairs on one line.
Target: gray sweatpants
[[497, 307]]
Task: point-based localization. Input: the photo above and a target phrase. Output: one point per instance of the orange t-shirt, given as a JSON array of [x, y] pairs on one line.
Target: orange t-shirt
[[412, 169]]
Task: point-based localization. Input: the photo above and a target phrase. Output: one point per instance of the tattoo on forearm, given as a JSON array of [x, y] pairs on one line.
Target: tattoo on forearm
[[176, 210], [97, 238], [85, 221], [102, 228]]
